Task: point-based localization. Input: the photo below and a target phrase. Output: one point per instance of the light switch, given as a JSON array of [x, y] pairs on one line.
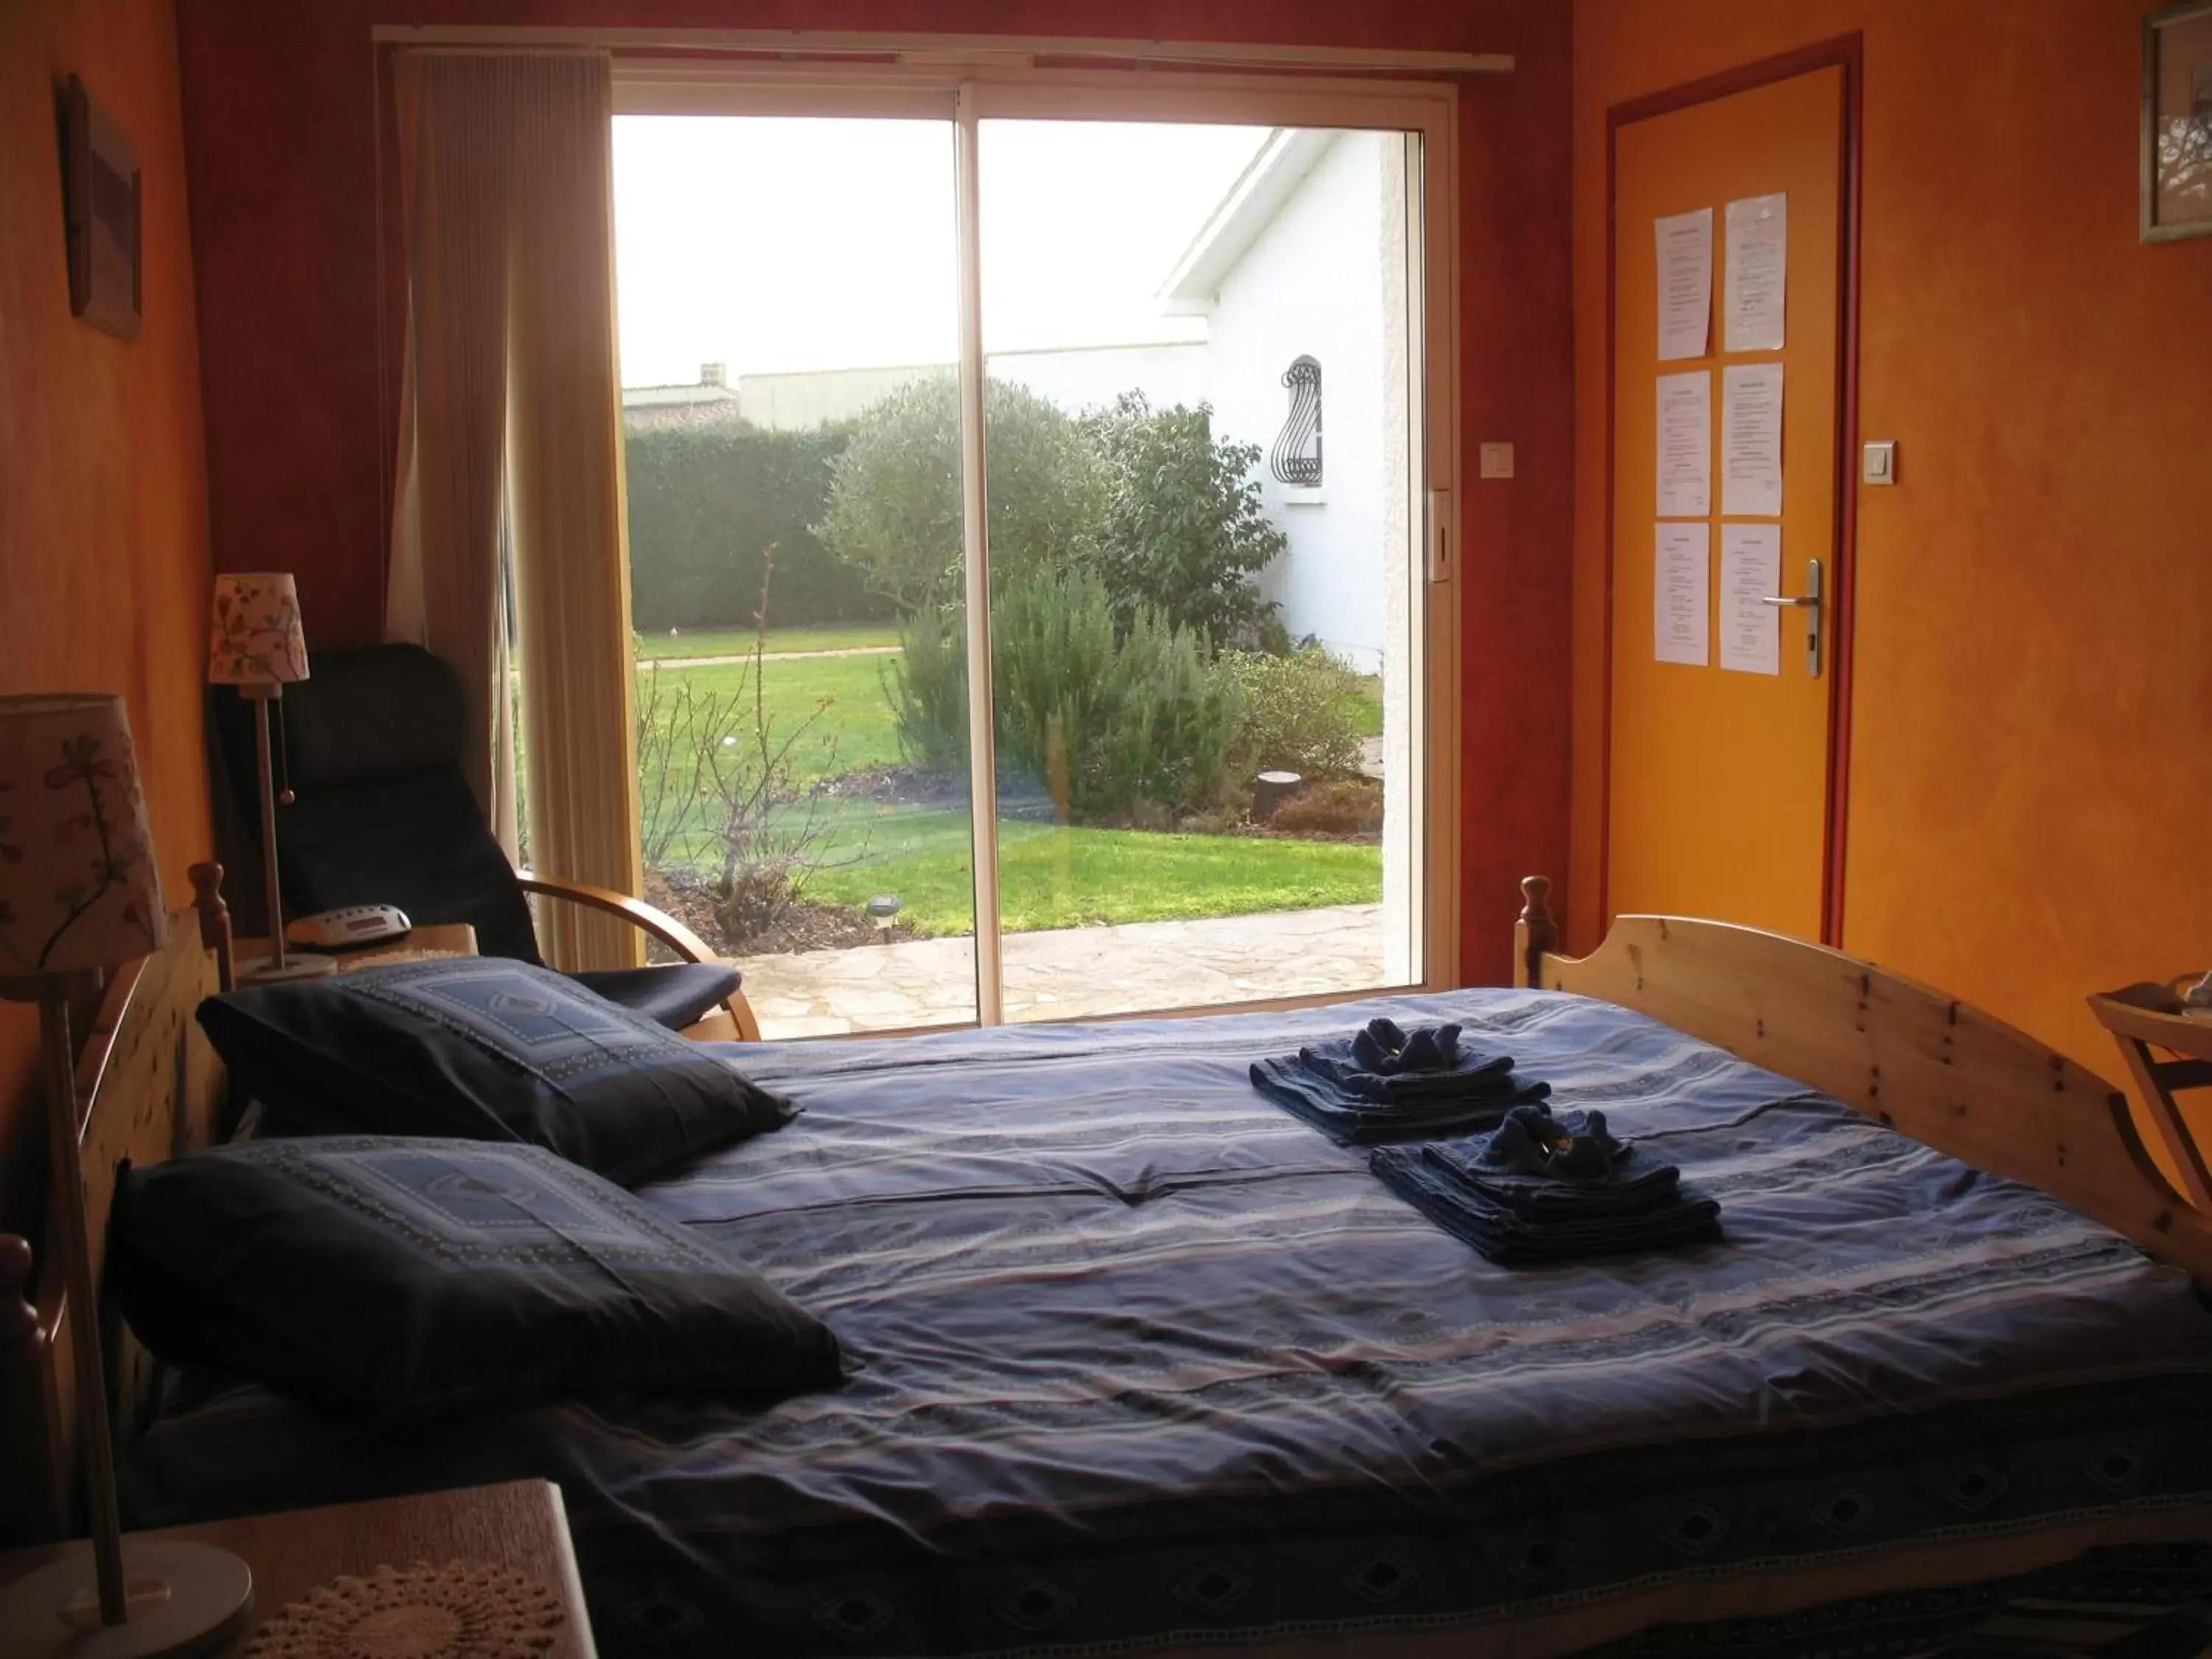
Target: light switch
[[1496, 460], [1880, 465]]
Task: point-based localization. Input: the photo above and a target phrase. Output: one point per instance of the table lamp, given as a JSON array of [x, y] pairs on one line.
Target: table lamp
[[79, 893], [255, 644]]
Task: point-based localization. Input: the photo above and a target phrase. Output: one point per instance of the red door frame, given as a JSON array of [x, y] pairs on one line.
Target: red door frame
[[1845, 52]]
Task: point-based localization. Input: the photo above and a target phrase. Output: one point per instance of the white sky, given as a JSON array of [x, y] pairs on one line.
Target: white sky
[[781, 244]]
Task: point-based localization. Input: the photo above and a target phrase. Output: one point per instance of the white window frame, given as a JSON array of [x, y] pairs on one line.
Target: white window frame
[[963, 83]]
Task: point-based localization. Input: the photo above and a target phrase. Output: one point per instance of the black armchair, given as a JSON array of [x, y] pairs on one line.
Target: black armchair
[[382, 814]]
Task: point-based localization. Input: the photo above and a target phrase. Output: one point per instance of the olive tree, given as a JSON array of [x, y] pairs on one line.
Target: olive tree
[[894, 504]]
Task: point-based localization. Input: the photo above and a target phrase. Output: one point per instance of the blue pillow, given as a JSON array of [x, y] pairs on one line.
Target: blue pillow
[[489, 1049], [393, 1280]]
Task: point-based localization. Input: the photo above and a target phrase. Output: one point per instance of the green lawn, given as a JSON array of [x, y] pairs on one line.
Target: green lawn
[[1051, 876], [858, 712], [738, 641]]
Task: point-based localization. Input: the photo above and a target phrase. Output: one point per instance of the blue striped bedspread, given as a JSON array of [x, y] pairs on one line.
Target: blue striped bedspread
[[1137, 1356]]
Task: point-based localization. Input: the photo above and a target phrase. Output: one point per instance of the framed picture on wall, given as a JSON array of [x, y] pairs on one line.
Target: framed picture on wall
[[2177, 122], [101, 188]]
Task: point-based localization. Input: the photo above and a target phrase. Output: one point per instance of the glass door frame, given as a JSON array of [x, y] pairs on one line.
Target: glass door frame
[[966, 88]]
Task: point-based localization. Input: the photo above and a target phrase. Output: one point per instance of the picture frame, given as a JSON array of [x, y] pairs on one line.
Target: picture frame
[[2177, 122], [101, 189]]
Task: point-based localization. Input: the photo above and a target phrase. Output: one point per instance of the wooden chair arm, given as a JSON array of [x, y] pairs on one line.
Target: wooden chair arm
[[636, 912], [657, 923]]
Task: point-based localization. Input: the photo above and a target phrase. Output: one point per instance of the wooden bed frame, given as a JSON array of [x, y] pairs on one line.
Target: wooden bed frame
[[149, 1087], [1927, 1065]]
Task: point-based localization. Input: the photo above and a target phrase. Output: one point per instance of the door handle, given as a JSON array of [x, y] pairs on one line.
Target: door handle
[[1811, 602]]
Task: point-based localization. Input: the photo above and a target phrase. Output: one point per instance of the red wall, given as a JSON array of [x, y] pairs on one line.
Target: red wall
[[103, 484], [295, 339]]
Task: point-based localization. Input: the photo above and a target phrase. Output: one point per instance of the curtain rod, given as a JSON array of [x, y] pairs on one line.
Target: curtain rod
[[938, 49]]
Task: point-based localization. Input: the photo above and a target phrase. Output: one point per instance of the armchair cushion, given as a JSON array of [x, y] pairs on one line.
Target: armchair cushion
[[485, 1050], [675, 996], [381, 711]]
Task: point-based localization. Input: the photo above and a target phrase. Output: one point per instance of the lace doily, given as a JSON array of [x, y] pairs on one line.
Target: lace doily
[[462, 1610]]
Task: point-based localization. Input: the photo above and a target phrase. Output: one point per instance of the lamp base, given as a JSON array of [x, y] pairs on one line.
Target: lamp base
[[184, 1599], [298, 964]]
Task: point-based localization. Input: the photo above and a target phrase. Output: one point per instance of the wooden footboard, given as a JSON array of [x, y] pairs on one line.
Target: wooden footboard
[[1926, 1064]]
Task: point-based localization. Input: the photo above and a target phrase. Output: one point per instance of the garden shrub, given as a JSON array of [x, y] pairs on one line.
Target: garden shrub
[[926, 684], [1182, 529], [723, 784], [1109, 723], [707, 502], [1292, 714], [1342, 806], [894, 509], [1165, 514]]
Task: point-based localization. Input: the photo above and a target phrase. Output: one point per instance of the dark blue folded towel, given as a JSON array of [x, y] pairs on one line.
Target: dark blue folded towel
[[1633, 1182], [1350, 1121], [1382, 1063], [1383, 1046], [1503, 1236]]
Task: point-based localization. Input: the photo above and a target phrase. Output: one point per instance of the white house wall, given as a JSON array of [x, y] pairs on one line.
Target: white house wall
[[1310, 284]]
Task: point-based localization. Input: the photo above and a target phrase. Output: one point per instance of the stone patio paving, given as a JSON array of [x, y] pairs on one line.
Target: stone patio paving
[[1070, 973]]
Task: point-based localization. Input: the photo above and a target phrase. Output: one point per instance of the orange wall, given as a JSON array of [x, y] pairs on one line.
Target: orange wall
[[103, 489], [2031, 785]]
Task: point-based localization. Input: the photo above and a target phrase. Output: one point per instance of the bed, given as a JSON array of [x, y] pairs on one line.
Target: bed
[[1172, 1370]]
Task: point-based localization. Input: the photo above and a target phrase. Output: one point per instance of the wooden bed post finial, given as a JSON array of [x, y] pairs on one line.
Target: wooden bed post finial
[[1534, 933], [215, 917]]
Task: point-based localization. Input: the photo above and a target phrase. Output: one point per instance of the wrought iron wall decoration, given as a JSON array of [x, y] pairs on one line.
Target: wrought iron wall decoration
[[1296, 458]]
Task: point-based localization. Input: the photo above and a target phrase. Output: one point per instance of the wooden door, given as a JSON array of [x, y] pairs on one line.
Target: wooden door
[[1723, 782]]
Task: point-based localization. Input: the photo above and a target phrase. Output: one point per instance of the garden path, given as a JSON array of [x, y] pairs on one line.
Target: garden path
[[769, 656], [1072, 972]]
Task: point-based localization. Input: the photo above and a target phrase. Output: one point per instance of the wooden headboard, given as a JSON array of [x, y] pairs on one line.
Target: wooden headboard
[[1926, 1064], [148, 1086]]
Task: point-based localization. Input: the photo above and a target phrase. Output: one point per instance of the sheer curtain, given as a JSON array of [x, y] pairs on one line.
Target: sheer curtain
[[510, 453]]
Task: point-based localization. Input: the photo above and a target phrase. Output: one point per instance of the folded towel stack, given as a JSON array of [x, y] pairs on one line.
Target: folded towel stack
[[1546, 1188], [1383, 1084]]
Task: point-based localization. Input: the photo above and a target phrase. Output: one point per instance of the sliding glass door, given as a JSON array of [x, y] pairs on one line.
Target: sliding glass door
[[1201, 560], [787, 289], [1033, 523]]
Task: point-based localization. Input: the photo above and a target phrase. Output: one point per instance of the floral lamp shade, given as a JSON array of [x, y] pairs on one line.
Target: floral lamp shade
[[78, 887], [253, 634]]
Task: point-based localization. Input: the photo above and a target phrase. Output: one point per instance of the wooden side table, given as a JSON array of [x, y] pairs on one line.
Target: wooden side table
[[2146, 1018], [429, 942], [520, 1525]]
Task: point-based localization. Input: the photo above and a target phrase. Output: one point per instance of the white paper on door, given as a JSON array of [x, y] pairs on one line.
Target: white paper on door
[[1685, 283], [1751, 570], [1750, 440], [1755, 297], [1681, 597], [1685, 444]]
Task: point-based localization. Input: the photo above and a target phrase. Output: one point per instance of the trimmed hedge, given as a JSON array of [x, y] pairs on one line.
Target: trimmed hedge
[[705, 501]]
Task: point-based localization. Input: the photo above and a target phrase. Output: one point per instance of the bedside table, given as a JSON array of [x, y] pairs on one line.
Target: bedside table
[[428, 943], [2147, 1021], [520, 1526]]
